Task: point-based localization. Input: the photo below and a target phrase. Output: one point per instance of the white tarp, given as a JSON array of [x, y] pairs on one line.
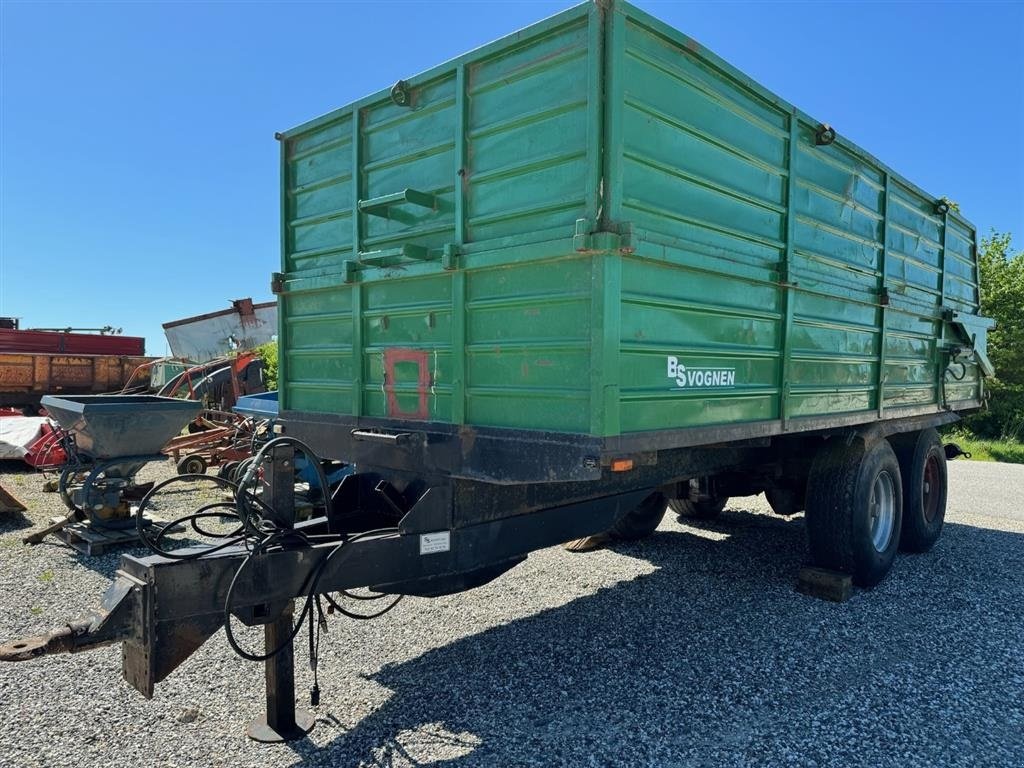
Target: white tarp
[[17, 433]]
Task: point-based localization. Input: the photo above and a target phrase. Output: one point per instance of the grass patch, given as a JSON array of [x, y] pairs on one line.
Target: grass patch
[[47, 576], [1009, 451]]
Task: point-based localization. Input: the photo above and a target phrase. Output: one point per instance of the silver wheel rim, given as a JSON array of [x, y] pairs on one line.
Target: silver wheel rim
[[882, 511]]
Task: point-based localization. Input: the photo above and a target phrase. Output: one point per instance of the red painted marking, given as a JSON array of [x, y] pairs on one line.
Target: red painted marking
[[420, 357]]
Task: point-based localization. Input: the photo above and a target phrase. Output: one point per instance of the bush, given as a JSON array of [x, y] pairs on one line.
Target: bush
[[1004, 417], [1002, 299], [268, 353]]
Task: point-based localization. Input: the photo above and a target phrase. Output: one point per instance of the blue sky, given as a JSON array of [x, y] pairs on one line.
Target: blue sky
[[138, 168]]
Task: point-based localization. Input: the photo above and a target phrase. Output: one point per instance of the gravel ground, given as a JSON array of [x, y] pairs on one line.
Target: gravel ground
[[690, 648]]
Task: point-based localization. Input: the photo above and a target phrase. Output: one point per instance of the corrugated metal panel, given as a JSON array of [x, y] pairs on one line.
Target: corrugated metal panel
[[528, 340], [206, 337]]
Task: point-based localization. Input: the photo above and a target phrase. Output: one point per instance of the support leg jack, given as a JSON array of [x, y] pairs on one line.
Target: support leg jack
[[281, 722]]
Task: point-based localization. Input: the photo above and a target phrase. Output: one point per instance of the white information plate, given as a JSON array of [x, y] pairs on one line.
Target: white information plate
[[431, 543]]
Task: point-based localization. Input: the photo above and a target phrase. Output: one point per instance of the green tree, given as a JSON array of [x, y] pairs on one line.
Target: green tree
[[1002, 299]]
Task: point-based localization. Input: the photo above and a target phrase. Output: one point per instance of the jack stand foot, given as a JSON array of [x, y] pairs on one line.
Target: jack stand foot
[[260, 731], [281, 722]]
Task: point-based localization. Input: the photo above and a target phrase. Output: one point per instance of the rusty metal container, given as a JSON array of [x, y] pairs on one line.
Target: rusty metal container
[[24, 378]]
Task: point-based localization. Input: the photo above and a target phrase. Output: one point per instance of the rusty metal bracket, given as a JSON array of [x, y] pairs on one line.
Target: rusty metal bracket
[[401, 94]]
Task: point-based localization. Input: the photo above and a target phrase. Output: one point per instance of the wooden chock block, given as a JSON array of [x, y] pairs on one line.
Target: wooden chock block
[[825, 584]]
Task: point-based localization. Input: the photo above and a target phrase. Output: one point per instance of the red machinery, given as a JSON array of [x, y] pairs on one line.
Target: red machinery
[[60, 342]]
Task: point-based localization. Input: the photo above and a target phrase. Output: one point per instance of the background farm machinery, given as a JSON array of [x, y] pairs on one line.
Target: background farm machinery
[[106, 440]]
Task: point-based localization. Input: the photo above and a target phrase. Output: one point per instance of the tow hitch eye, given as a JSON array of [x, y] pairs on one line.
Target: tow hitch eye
[[954, 451]]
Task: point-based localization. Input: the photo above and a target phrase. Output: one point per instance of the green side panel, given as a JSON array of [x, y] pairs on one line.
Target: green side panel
[[317, 366], [413, 314], [528, 353], [479, 158], [502, 142], [682, 307], [529, 112], [318, 196], [713, 172], [409, 148], [701, 161]]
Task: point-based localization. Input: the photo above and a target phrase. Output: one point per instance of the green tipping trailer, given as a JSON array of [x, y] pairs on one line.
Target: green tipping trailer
[[545, 290], [592, 255]]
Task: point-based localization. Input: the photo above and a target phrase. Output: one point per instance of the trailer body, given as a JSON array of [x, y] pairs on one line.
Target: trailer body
[[26, 377], [596, 232]]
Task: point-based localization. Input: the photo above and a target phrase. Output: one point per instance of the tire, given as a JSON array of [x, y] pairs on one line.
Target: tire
[[922, 459], [786, 501], [700, 510], [192, 465], [226, 471], [642, 521], [855, 509]]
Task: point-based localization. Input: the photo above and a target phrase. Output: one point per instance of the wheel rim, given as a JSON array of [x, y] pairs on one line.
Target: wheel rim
[[930, 489], [882, 511]]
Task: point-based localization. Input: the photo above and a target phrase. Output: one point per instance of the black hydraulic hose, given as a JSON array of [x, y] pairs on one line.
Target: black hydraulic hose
[[260, 534], [206, 512], [310, 588], [153, 544], [244, 514], [306, 605], [364, 616]]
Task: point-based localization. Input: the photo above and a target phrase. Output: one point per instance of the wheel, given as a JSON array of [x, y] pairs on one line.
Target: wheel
[[192, 465], [785, 500], [642, 521], [922, 459], [107, 493], [226, 471], [855, 509], [701, 510]]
